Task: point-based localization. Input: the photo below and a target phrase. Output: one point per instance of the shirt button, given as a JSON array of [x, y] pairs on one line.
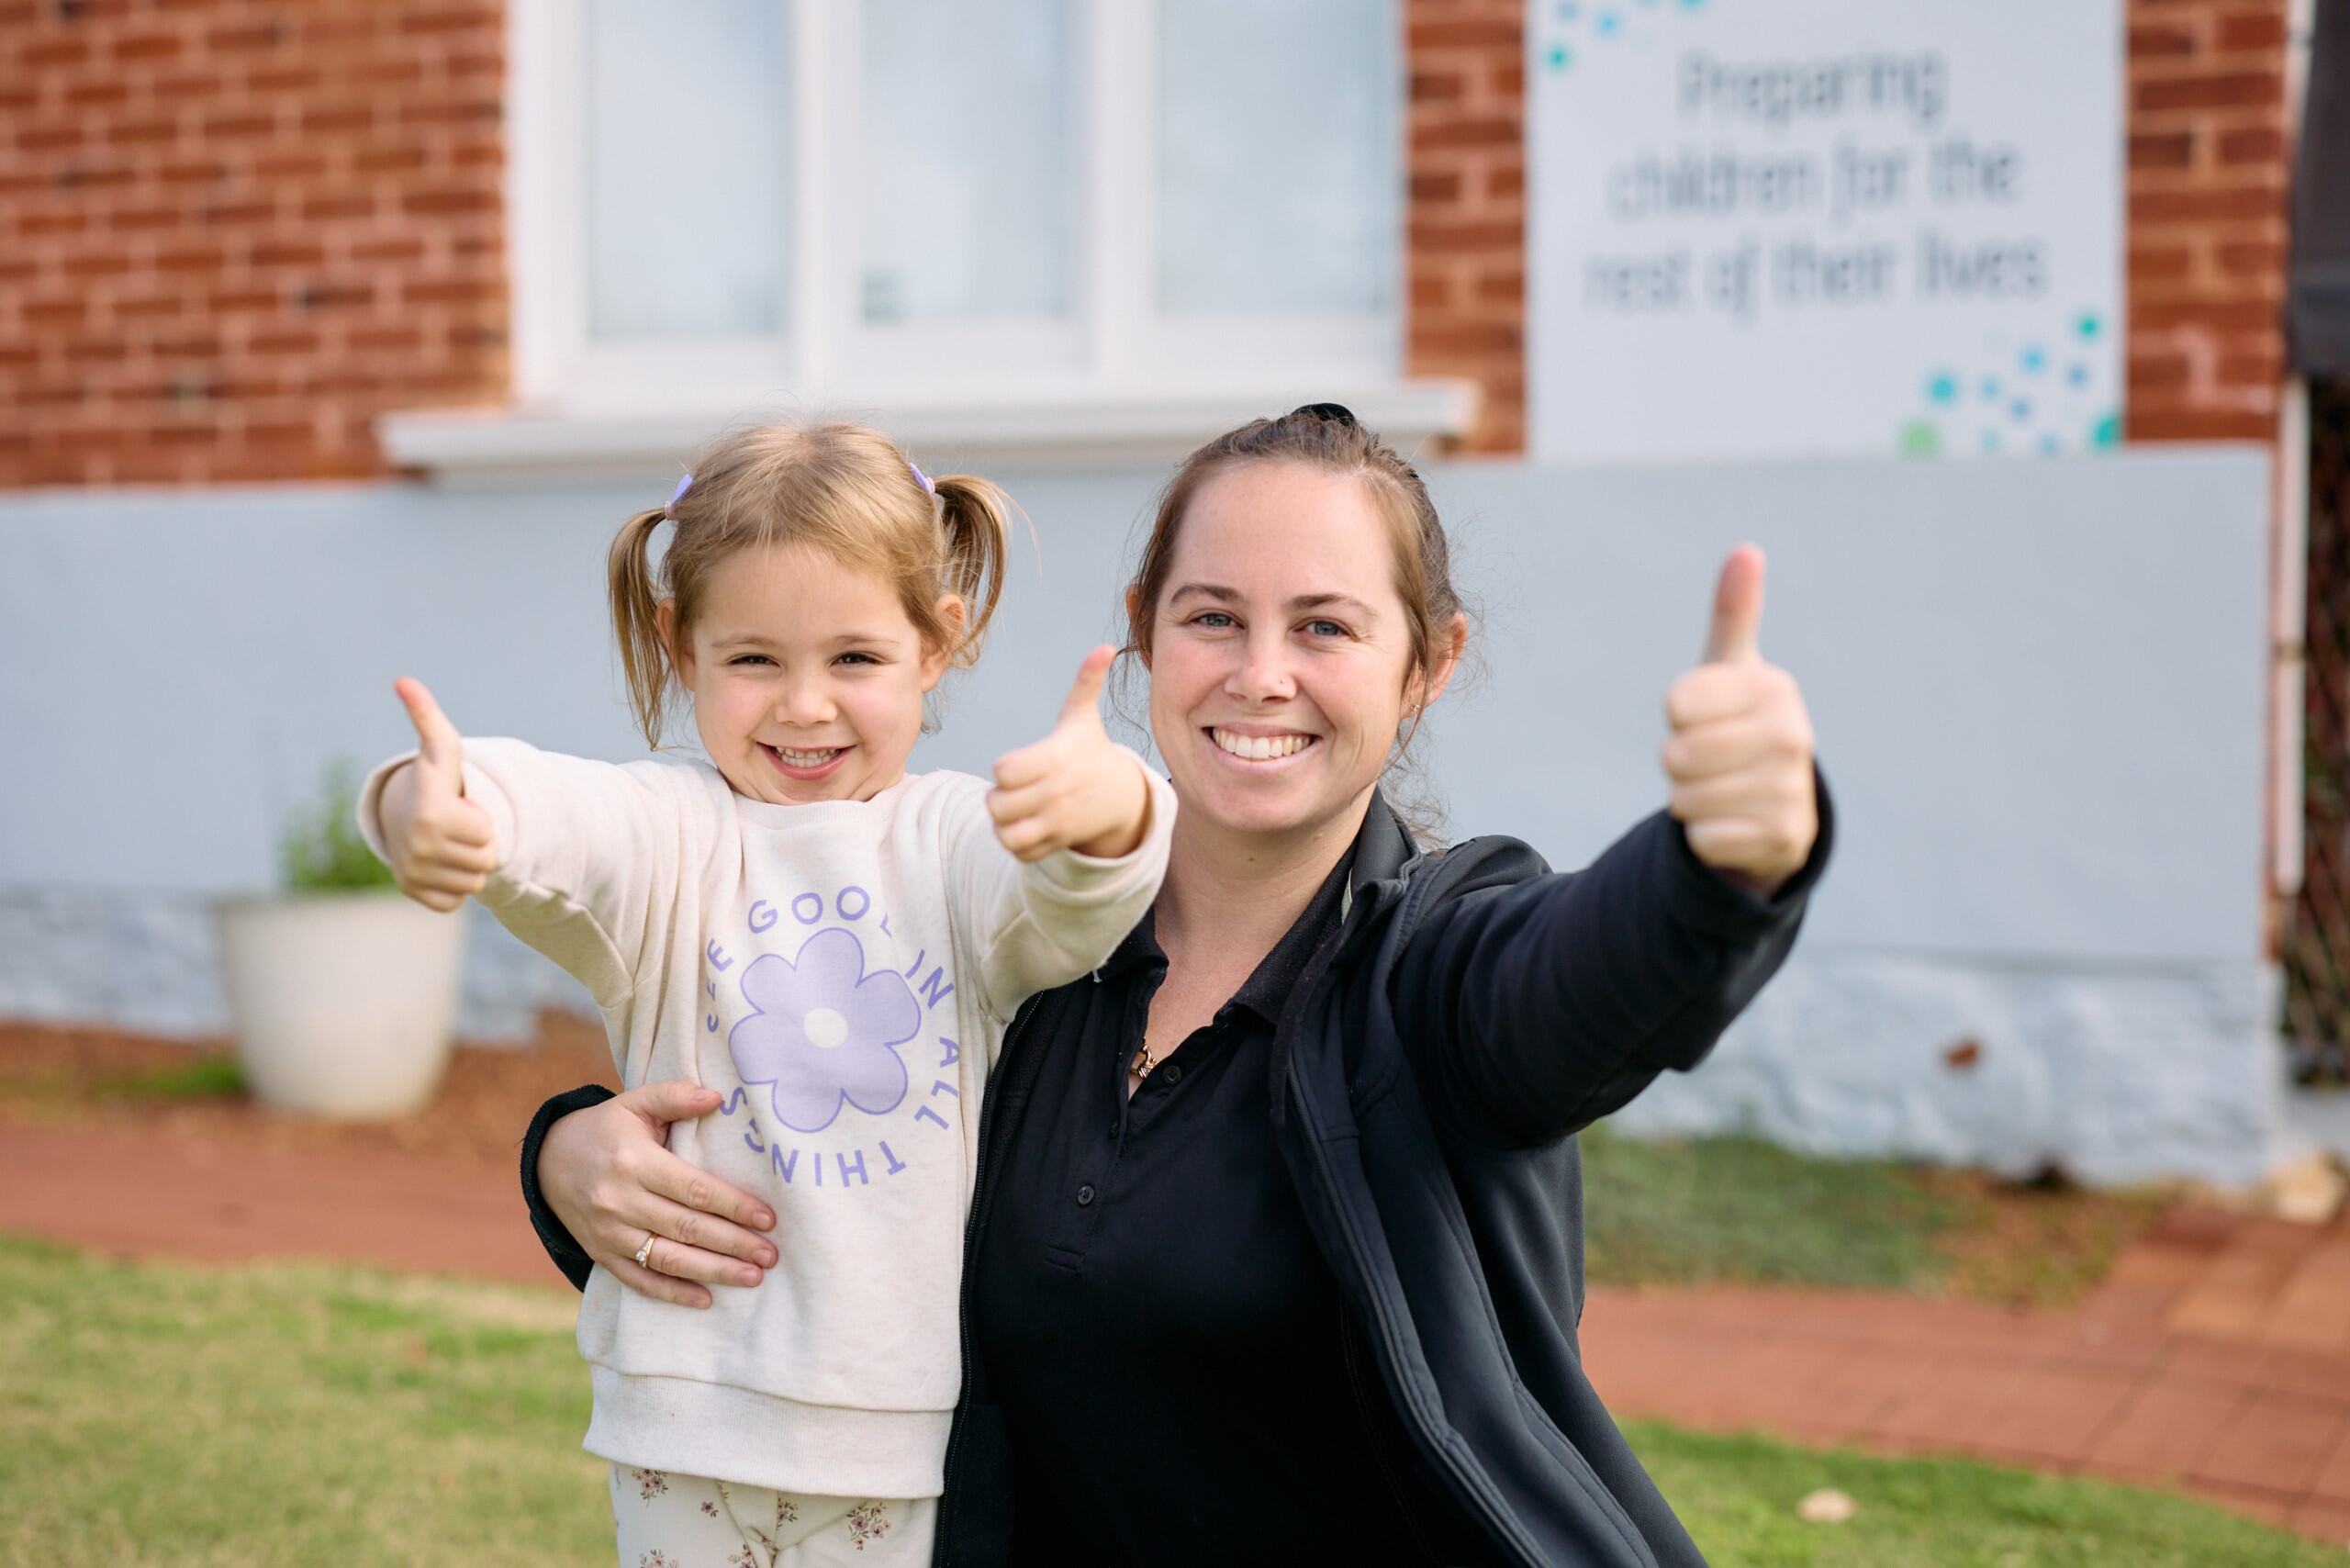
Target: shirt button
[[1172, 1072], [1084, 1196]]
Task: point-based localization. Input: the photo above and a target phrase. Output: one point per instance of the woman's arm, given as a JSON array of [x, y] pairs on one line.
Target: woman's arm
[[599, 1179], [1543, 1004], [1530, 1010]]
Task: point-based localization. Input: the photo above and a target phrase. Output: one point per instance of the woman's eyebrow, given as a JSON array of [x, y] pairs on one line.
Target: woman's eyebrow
[[1297, 605], [1305, 601]]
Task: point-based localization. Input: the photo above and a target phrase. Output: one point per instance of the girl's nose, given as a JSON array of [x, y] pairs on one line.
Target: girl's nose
[[805, 703]]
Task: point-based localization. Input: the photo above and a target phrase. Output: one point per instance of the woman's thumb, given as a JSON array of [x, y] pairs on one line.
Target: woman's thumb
[[672, 1100]]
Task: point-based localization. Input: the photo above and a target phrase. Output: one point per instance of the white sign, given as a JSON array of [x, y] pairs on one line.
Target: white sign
[[1797, 228]]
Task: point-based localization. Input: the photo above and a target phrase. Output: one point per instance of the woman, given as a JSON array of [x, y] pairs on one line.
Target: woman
[[1276, 1250]]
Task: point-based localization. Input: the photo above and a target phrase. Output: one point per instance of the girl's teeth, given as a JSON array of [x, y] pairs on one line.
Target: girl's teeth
[[807, 758], [1260, 748]]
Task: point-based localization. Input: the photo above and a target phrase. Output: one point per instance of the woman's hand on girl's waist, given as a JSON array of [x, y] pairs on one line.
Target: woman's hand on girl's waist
[[661, 1227]]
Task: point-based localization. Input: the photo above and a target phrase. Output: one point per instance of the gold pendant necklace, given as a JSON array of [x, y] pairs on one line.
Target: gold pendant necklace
[[1144, 1062]]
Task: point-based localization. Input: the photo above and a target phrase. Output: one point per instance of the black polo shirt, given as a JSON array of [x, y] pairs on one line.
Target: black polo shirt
[[1180, 1378]]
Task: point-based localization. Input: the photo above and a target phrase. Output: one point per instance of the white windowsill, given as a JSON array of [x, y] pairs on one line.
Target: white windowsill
[[1071, 430]]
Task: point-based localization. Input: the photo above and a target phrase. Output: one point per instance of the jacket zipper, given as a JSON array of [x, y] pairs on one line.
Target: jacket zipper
[[1398, 1484], [1505, 1531]]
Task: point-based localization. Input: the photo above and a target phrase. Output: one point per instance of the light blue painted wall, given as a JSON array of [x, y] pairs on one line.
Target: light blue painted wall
[[2038, 688]]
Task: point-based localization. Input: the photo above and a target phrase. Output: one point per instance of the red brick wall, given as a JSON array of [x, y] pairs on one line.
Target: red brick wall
[[1465, 216], [233, 231], [2208, 179], [2205, 231]]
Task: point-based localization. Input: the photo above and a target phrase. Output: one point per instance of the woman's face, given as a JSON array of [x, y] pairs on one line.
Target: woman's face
[[1280, 652]]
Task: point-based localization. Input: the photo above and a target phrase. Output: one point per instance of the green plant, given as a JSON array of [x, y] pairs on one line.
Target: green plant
[[207, 1078], [321, 850]]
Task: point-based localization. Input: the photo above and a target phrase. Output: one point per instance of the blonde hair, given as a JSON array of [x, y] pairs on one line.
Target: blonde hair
[[842, 488]]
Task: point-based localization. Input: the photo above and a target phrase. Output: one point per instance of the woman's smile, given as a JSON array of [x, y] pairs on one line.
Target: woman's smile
[[1259, 750]]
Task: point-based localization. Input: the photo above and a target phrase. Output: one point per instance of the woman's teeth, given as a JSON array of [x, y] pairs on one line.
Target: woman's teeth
[[1260, 748], [807, 758]]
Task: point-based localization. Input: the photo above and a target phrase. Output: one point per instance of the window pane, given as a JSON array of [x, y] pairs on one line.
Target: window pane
[[688, 181], [968, 184], [1278, 157]]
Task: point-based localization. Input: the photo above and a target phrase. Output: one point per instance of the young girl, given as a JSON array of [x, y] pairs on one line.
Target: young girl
[[832, 945]]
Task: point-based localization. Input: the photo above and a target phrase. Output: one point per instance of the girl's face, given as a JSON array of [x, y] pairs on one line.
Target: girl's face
[[806, 676], [1280, 652]]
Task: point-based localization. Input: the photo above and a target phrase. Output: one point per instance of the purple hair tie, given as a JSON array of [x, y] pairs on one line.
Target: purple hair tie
[[670, 512], [921, 479]]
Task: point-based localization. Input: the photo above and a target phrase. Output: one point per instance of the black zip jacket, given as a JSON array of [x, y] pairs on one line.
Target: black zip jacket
[[1471, 1013]]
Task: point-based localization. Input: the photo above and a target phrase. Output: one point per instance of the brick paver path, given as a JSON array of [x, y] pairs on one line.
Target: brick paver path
[[2215, 1358]]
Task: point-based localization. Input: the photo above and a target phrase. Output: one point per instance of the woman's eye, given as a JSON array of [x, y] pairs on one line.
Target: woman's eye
[[1214, 620], [1326, 628]]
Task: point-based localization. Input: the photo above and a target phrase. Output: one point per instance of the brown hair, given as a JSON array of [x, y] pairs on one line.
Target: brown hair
[[842, 488], [1324, 436]]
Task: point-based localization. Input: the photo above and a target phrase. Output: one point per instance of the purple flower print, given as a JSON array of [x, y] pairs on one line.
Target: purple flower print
[[867, 1521], [824, 1032]]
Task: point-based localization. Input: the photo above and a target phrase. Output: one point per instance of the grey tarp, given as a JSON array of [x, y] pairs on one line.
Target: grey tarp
[[2318, 318]]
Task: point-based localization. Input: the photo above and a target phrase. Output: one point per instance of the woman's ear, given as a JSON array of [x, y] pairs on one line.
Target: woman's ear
[[1430, 684], [679, 649], [936, 658], [1137, 633]]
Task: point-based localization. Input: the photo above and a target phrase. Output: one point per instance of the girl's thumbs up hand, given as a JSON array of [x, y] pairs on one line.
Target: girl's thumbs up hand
[[1740, 755], [442, 846], [1076, 789]]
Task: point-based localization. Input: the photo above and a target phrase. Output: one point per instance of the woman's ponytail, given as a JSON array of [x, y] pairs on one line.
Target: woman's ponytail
[[977, 517], [636, 622]]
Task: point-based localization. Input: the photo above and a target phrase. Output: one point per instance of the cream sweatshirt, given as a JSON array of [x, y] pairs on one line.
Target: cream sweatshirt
[[842, 972]]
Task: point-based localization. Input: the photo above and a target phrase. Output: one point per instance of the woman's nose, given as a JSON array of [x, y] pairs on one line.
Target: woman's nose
[[1263, 674]]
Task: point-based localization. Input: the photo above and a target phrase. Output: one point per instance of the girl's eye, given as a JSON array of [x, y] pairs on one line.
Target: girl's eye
[[750, 659], [857, 660]]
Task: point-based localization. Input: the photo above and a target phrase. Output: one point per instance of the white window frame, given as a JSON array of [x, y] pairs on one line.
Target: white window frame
[[1115, 376]]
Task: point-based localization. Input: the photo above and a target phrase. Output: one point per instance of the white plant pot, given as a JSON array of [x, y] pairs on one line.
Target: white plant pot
[[341, 1002]]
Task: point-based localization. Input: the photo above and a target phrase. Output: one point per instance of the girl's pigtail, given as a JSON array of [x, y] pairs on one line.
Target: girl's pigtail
[[636, 622], [977, 516]]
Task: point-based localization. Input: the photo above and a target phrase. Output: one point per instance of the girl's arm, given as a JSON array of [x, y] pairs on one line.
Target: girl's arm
[[1086, 826], [583, 861]]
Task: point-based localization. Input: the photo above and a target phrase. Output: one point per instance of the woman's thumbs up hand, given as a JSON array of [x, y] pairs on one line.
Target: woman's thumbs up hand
[[1740, 755], [442, 846]]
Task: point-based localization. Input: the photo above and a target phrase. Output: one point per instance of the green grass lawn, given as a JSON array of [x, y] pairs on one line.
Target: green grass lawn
[[288, 1415], [1693, 1210], [1737, 1497], [153, 1415]]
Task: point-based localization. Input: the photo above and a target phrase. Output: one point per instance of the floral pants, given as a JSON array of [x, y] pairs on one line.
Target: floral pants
[[667, 1520]]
